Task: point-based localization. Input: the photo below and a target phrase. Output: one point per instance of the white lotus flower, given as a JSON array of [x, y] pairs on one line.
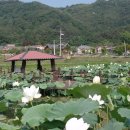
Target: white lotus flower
[[30, 94], [99, 67], [96, 80], [128, 98], [76, 124], [16, 83], [97, 98], [89, 71], [121, 75]]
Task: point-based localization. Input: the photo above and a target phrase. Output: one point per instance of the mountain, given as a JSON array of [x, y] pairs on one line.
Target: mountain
[[105, 20], [102, 22]]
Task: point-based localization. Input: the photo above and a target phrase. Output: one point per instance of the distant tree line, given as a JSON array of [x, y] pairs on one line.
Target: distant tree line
[[103, 22]]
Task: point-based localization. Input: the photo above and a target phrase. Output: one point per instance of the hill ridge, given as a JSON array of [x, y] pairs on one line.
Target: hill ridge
[[102, 22]]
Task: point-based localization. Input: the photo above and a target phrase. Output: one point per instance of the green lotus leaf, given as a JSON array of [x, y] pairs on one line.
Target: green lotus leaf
[[59, 84], [87, 90], [3, 106], [113, 125], [114, 81], [14, 95], [36, 115], [29, 77], [42, 86], [77, 84], [79, 107], [55, 129], [124, 91], [51, 85], [4, 126], [24, 83], [90, 118], [80, 79], [124, 112], [2, 92]]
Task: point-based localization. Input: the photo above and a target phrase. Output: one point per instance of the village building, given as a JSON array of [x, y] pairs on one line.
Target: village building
[[8, 47], [99, 49], [84, 49], [35, 47], [54, 48]]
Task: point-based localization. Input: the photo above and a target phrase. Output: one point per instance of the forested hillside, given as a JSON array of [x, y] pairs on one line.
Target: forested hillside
[[103, 22]]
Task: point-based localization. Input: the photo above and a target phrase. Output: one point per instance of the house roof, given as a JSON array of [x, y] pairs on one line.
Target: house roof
[[63, 45], [84, 47], [33, 55]]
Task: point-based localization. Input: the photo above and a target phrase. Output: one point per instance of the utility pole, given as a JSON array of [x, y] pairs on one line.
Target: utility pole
[[60, 42], [54, 47], [61, 34], [125, 48]]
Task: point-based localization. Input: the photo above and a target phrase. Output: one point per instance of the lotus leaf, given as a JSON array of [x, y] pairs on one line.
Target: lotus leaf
[[124, 112], [87, 90], [57, 111], [59, 84], [80, 79], [14, 95], [90, 118], [24, 83], [36, 115], [42, 85], [113, 125], [55, 129], [2, 92], [79, 107], [51, 85], [3, 106], [4, 126]]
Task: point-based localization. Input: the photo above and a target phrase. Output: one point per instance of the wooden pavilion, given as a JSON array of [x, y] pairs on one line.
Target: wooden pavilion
[[33, 55]]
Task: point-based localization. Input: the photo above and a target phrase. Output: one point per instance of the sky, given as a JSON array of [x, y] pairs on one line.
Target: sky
[[61, 3]]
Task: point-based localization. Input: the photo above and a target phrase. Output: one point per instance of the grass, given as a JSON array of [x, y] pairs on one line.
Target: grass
[[91, 60], [74, 61]]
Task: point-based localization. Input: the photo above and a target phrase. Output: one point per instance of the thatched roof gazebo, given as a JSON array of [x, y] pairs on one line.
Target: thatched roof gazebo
[[33, 55]]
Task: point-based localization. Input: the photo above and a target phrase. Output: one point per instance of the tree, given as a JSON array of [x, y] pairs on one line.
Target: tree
[[119, 50], [125, 36]]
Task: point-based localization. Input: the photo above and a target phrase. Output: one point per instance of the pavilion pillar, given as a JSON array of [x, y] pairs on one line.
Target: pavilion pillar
[[53, 66], [39, 66], [23, 66], [12, 66]]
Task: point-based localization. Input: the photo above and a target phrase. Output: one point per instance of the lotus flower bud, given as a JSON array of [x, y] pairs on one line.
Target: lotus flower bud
[[96, 80], [16, 84]]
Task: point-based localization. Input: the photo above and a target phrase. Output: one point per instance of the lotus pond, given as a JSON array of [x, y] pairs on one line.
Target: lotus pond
[[37, 102]]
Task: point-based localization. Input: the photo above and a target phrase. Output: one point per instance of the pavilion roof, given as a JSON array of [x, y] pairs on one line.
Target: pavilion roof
[[33, 55]]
